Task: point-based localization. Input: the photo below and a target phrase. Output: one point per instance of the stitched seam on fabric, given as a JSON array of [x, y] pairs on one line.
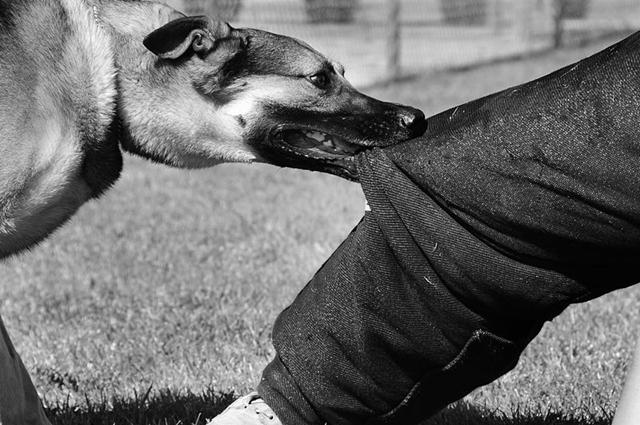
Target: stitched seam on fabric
[[475, 336], [418, 385]]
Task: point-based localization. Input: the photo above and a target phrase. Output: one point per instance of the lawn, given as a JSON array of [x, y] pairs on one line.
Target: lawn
[[155, 303]]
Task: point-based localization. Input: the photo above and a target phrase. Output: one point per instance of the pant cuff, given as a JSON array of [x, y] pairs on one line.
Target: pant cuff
[[282, 394]]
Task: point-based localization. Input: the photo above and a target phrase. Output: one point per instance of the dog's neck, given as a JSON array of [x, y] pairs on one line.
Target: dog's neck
[[160, 116], [127, 24]]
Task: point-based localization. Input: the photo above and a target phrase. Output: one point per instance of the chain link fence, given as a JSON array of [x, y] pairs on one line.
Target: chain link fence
[[381, 40]]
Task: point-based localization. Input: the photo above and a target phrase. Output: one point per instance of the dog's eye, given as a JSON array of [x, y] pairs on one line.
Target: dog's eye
[[320, 80]]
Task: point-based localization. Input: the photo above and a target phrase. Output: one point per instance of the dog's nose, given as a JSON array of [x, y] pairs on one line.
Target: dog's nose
[[414, 121]]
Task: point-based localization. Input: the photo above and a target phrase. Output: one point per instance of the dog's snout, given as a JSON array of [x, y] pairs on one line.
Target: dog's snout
[[414, 121]]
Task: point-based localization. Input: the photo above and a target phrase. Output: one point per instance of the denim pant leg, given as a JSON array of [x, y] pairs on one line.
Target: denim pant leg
[[19, 401], [412, 312], [379, 336], [361, 335]]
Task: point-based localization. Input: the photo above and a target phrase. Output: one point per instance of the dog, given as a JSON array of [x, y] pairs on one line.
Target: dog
[[81, 80], [184, 91]]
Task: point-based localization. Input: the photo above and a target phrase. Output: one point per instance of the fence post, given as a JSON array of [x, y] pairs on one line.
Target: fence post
[[557, 8], [495, 16], [393, 41], [525, 18]]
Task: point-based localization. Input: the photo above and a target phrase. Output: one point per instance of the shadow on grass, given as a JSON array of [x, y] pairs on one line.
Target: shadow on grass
[[171, 408], [165, 407], [466, 414]]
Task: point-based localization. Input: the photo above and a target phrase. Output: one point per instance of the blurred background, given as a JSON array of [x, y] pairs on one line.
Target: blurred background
[[154, 304], [382, 40]]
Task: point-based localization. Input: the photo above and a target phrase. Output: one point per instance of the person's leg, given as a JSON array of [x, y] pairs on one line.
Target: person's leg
[[410, 313], [19, 401]]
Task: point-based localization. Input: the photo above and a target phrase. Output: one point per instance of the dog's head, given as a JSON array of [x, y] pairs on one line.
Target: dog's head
[[275, 99]]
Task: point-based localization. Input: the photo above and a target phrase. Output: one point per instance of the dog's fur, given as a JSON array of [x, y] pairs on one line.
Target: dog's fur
[[77, 82], [79, 79]]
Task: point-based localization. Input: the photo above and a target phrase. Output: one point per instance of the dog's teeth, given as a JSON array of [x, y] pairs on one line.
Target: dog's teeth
[[316, 135]]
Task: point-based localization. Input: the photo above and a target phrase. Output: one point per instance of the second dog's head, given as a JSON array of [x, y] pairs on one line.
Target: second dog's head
[[265, 97]]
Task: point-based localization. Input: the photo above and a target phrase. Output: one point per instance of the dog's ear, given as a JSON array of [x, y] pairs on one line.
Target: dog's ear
[[198, 33]]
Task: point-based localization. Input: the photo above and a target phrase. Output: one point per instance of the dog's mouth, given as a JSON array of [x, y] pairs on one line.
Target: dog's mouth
[[312, 149], [316, 144]]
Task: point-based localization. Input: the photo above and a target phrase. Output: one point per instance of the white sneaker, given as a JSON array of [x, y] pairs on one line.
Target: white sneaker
[[248, 410]]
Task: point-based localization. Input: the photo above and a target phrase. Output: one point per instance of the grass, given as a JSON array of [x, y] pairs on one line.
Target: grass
[[154, 304]]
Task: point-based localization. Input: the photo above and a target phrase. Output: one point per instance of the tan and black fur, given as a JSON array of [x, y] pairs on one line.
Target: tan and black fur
[[81, 79]]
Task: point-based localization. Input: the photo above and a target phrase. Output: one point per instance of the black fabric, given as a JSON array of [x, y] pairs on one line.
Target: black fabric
[[508, 210]]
